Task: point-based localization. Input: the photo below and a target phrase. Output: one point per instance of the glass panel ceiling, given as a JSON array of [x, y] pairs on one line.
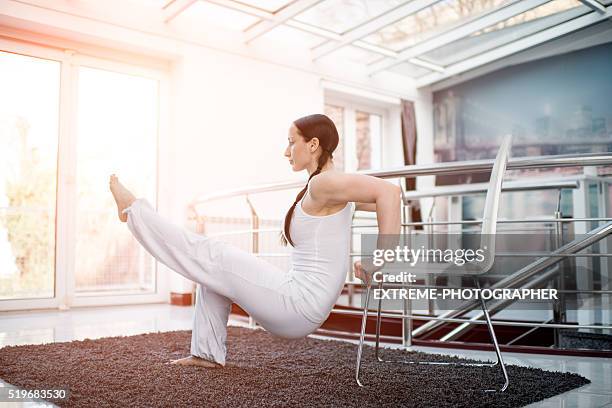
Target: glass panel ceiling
[[268, 5], [202, 13], [544, 10], [512, 29], [410, 70], [431, 21], [292, 36], [356, 54], [342, 15]]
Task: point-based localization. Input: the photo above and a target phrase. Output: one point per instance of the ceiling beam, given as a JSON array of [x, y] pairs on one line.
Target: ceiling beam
[[285, 14], [457, 33], [175, 7], [372, 26], [307, 28], [245, 8], [516, 46], [426, 64], [594, 5]]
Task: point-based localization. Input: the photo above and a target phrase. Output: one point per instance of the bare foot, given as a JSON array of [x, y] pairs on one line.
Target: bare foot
[[123, 197], [196, 361]]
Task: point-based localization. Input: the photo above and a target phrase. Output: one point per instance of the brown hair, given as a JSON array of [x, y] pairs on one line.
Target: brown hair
[[321, 127]]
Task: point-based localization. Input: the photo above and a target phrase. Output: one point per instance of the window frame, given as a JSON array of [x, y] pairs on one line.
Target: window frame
[[350, 108], [70, 60]]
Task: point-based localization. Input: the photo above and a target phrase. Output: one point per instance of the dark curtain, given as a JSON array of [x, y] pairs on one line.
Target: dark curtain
[[409, 143]]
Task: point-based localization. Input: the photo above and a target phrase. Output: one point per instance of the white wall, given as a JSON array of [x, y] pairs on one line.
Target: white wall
[[231, 117]]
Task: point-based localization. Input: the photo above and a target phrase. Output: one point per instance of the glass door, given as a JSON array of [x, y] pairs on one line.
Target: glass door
[[29, 130], [117, 128]]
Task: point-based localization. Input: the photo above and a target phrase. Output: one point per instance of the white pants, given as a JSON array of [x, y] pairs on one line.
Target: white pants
[[224, 274]]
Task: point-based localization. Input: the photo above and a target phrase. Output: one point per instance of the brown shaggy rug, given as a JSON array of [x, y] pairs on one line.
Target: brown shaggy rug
[[266, 371]]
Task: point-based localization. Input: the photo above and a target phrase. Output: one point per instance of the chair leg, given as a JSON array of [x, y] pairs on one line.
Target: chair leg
[[364, 322], [483, 304], [500, 360], [378, 324]]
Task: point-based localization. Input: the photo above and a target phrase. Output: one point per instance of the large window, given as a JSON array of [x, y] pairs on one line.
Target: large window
[[550, 106], [360, 129], [66, 123]]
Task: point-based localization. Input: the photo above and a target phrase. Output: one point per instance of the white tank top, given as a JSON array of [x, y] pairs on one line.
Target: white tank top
[[320, 259]]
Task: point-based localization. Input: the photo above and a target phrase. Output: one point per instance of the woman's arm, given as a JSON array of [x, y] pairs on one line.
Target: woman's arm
[[365, 206], [336, 188]]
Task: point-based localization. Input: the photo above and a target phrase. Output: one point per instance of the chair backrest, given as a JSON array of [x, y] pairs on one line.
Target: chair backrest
[[488, 228], [492, 201]]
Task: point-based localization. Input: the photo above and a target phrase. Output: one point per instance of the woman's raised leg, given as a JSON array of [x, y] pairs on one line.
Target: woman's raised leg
[[196, 257]]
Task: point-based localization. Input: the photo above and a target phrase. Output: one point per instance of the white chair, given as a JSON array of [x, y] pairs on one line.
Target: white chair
[[488, 230]]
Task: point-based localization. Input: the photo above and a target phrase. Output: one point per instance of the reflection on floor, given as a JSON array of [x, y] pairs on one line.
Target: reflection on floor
[[39, 327]]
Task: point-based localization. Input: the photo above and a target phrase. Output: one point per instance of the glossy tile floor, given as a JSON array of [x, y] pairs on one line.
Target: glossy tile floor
[[37, 327]]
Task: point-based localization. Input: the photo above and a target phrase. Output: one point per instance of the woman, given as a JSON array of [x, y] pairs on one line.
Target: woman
[[290, 304]]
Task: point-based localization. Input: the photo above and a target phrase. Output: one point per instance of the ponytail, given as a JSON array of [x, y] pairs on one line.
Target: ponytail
[[286, 237]]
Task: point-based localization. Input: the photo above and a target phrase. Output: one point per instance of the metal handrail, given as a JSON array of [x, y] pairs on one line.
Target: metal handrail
[[478, 188], [407, 224], [534, 220], [458, 167]]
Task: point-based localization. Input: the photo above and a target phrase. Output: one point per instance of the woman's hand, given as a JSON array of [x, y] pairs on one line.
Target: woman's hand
[[361, 273]]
